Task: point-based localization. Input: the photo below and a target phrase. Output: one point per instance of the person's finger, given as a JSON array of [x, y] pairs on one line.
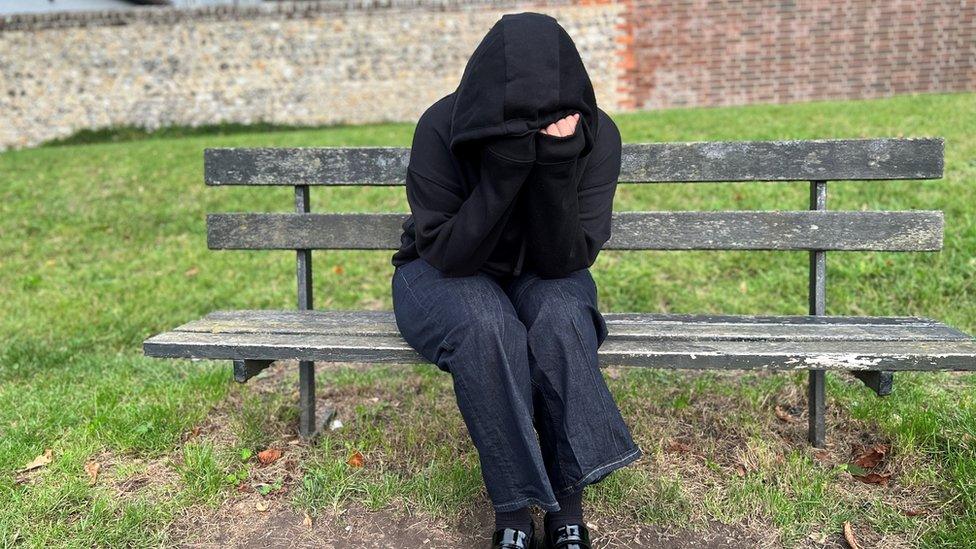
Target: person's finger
[[565, 127], [551, 129]]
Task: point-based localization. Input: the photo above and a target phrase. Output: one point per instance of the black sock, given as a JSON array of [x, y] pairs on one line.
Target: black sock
[[520, 519], [570, 512]]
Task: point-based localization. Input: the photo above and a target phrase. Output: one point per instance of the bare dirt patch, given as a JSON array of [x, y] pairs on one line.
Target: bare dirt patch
[[702, 445], [239, 525]]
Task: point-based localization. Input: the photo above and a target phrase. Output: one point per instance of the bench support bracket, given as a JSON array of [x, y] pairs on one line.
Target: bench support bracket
[[816, 393], [879, 381], [246, 369], [309, 426]]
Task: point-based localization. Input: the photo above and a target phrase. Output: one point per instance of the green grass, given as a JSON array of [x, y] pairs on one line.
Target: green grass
[[104, 244]]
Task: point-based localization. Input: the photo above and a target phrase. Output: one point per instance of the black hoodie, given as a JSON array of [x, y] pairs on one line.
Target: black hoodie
[[487, 190]]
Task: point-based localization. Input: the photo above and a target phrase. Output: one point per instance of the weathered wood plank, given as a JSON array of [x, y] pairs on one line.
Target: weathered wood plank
[[776, 355], [347, 316], [718, 230], [756, 319], [828, 160], [835, 159], [382, 323]]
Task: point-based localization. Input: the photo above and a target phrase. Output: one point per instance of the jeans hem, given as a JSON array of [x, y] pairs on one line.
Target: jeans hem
[[600, 470], [525, 502]]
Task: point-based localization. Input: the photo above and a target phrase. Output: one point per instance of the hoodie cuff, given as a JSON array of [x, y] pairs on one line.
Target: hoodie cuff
[[551, 149], [519, 148]]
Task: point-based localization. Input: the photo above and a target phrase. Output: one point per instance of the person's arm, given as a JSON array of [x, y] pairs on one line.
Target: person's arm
[[457, 234], [570, 206]]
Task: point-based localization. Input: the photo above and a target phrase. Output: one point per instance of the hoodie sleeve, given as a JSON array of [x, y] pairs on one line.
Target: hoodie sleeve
[[455, 233], [569, 201]]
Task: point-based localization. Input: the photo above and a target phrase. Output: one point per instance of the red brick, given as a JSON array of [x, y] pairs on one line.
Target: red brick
[[745, 51]]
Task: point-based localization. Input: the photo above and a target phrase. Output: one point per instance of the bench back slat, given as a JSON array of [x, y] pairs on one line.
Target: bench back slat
[[914, 230], [827, 160]]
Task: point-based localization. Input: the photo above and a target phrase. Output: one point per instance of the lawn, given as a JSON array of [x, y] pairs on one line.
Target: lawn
[[103, 244]]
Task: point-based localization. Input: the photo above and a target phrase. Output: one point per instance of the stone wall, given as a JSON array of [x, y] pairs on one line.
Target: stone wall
[[340, 61], [302, 63]]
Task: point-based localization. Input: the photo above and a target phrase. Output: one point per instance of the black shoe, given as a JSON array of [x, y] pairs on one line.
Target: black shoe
[[570, 536], [510, 538]]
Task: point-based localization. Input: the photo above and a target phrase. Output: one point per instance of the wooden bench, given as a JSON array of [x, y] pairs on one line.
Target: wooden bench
[[870, 347]]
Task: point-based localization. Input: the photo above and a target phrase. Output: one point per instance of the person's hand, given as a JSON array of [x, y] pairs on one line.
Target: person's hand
[[563, 127]]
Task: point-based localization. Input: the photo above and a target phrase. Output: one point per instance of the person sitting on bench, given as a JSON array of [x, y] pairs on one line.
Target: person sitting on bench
[[510, 185]]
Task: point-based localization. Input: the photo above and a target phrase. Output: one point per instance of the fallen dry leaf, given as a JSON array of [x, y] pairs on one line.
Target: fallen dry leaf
[[873, 478], [678, 446], [871, 457], [338, 269], [269, 456], [307, 520], [356, 459], [261, 506], [849, 536], [784, 415], [192, 272], [38, 462], [92, 467]]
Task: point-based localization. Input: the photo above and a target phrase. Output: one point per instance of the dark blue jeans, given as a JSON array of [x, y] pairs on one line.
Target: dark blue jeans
[[522, 352]]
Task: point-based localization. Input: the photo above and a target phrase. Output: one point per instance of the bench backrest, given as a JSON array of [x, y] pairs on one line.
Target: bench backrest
[[816, 229]]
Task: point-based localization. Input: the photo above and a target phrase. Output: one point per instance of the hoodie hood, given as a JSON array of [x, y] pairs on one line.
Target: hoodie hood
[[525, 74]]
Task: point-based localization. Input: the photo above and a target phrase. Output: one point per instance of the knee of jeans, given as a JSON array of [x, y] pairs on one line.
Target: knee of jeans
[[549, 312], [482, 339], [566, 318], [489, 330]]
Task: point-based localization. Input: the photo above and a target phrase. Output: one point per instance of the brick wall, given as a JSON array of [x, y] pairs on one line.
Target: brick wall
[[733, 52], [356, 61]]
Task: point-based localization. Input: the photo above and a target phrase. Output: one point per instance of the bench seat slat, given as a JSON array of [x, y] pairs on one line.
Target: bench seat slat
[[915, 230], [831, 160], [657, 341], [780, 355], [620, 326], [346, 316]]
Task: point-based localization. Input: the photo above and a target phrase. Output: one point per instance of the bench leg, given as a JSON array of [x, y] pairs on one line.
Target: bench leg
[[306, 399], [311, 422], [881, 382], [816, 396]]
